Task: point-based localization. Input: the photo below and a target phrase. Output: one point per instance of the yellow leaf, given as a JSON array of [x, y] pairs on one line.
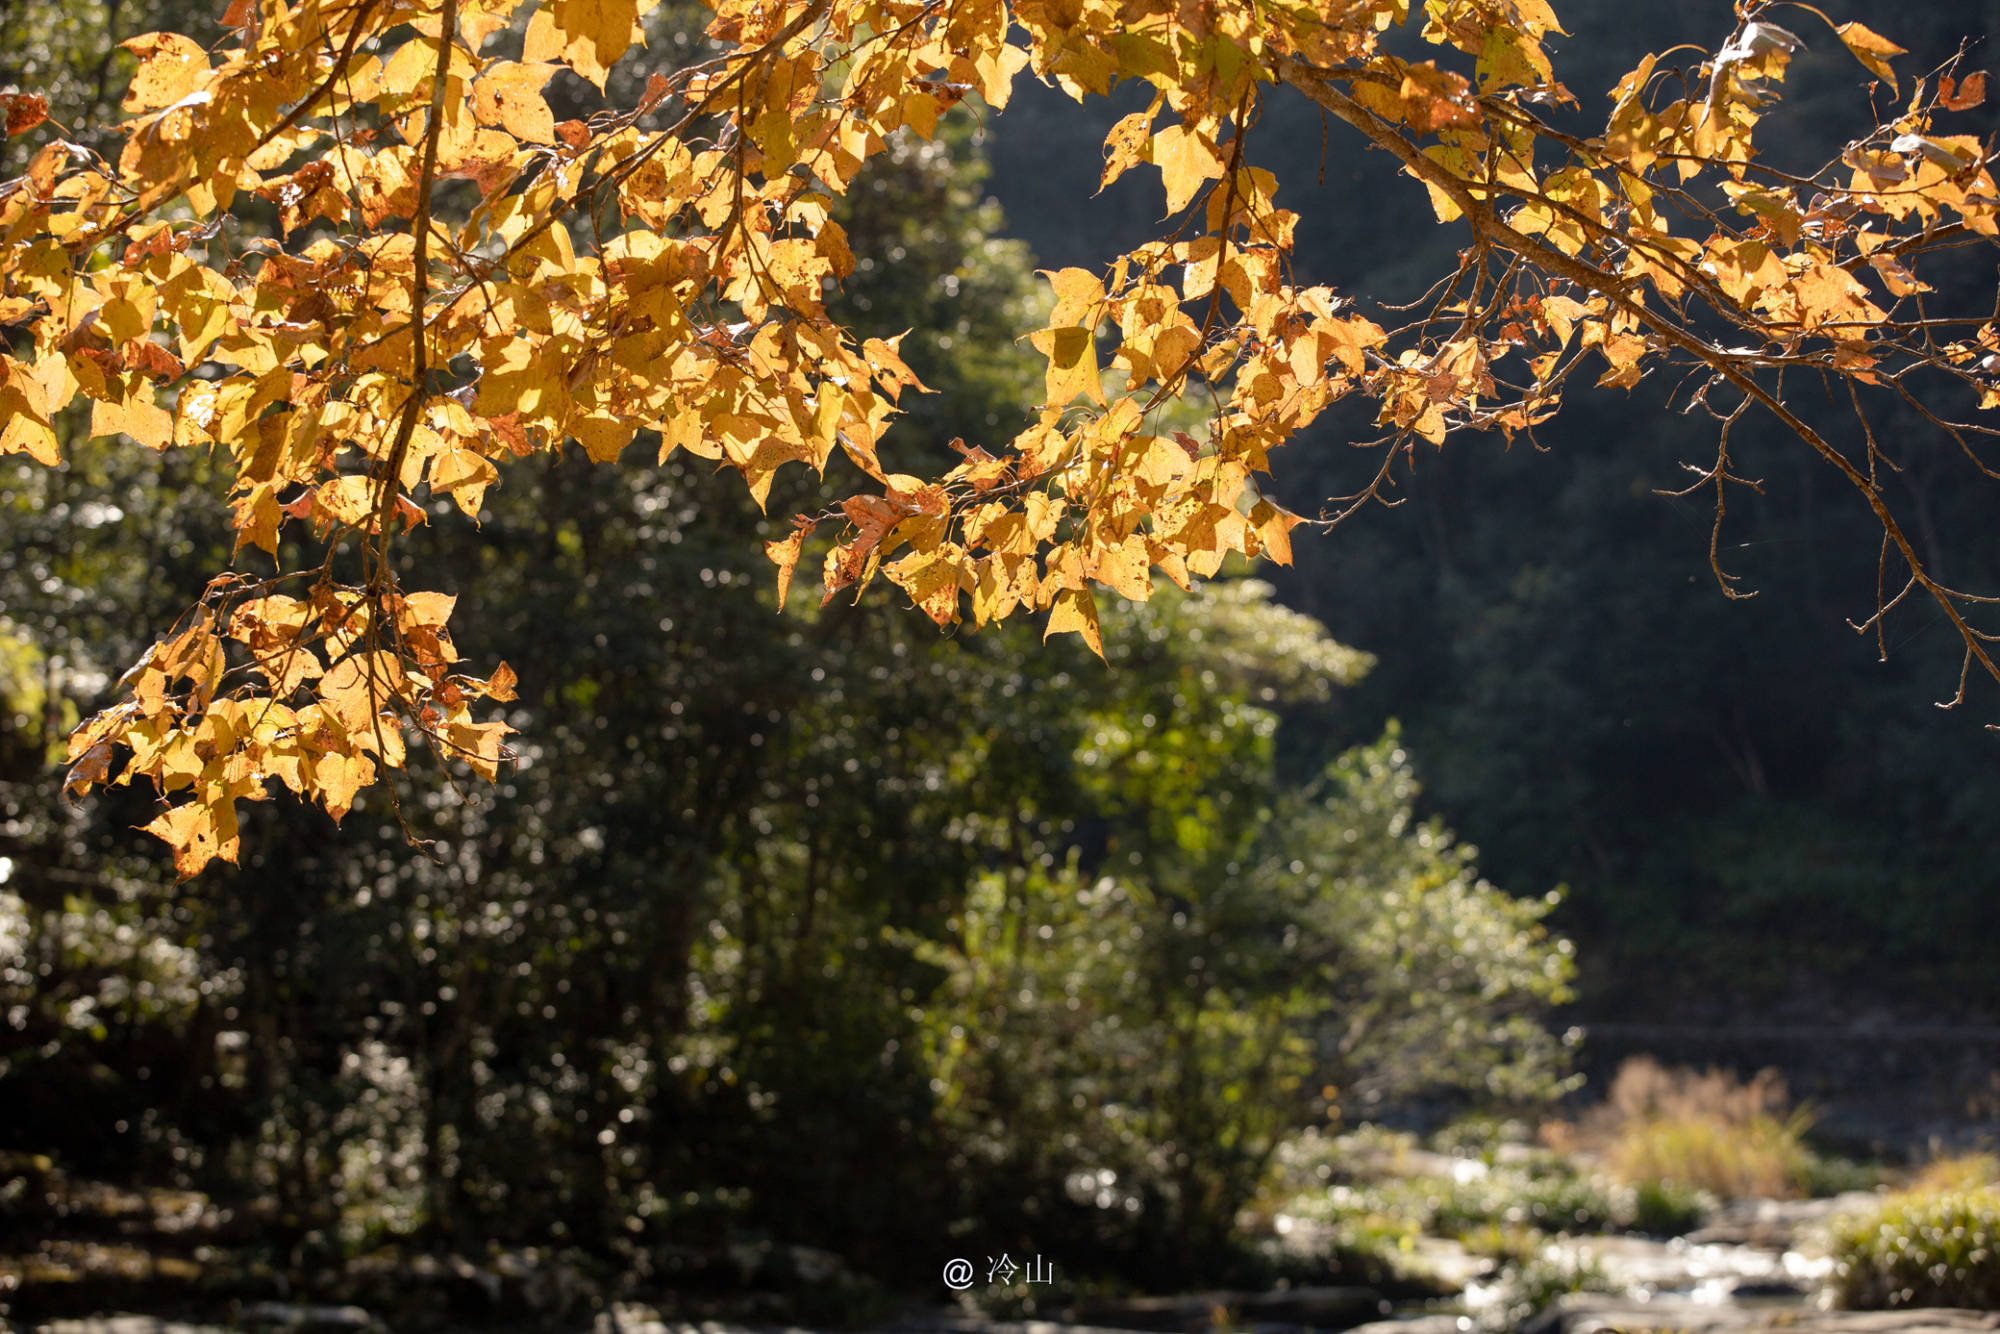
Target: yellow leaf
[[464, 475], [785, 555], [338, 777], [257, 517], [345, 502], [357, 688], [479, 745], [138, 416], [170, 67], [1072, 355], [1871, 49], [1125, 567], [1075, 610], [429, 609], [1274, 529], [24, 407], [1078, 295], [1125, 146], [931, 580], [885, 358], [996, 71], [508, 96], [198, 832], [1349, 340], [1186, 159], [589, 35], [604, 438]]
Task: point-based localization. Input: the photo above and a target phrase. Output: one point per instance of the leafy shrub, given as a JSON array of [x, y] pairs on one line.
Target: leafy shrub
[[1480, 1137], [1505, 1199], [1827, 1174], [1556, 1202], [1667, 1208], [1922, 1249], [1503, 1244]]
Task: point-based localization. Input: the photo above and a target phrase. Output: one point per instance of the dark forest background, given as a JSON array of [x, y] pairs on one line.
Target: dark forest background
[[1755, 815]]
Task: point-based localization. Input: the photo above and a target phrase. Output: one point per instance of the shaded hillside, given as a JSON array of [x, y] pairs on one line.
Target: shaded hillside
[[1749, 807]]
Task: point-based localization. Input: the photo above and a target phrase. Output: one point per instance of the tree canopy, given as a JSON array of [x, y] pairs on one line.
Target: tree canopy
[[369, 252]]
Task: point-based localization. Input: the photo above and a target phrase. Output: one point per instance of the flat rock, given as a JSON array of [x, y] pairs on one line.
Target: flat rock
[[1587, 1314], [1417, 1324], [1707, 1271], [294, 1318], [1330, 1307], [125, 1324], [1779, 1223], [1334, 1307]]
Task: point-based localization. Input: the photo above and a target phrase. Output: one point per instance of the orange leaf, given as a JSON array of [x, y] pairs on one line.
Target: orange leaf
[[24, 111], [785, 555], [501, 684], [1965, 95]]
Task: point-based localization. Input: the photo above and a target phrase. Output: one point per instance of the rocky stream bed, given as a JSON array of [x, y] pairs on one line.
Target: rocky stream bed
[[1755, 1266]]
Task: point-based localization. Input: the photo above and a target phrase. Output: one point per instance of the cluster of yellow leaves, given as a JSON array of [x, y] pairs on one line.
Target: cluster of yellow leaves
[[461, 278], [321, 726]]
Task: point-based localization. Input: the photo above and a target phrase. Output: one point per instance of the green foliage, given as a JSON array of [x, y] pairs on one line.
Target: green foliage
[[1445, 977], [1667, 1208], [1830, 1174], [1146, 1037], [1541, 1197], [1480, 1136], [1548, 1200], [1922, 1249], [1503, 1243], [1737, 793], [1368, 1186]]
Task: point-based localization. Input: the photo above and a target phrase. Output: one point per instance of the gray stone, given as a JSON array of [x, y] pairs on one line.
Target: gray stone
[[125, 1324], [294, 1318], [1589, 1314], [1330, 1307], [1417, 1324], [1334, 1308]]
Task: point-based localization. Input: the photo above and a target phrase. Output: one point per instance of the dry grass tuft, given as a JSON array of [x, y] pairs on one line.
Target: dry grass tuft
[[1700, 1131], [1957, 1175]]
